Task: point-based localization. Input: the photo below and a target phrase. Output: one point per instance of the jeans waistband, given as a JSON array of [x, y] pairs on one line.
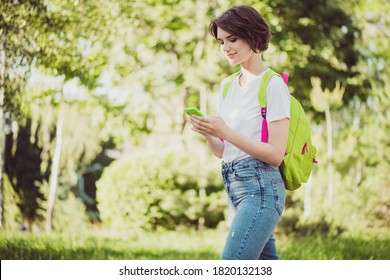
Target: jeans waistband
[[245, 162]]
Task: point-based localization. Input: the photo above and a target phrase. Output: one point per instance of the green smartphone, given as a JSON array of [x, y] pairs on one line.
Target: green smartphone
[[193, 111]]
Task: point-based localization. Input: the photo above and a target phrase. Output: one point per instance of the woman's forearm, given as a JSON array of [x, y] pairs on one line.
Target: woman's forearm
[[216, 145], [262, 151], [272, 152]]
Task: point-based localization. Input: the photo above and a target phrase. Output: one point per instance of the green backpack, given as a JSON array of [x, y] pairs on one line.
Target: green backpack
[[300, 154]]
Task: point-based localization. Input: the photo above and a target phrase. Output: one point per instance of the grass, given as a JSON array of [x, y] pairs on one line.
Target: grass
[[183, 245], [336, 248], [145, 246]]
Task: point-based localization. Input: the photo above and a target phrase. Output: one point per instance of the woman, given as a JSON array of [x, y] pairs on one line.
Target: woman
[[250, 170]]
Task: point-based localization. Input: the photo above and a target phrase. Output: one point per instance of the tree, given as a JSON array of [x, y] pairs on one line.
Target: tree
[[323, 101], [17, 50], [40, 32], [319, 38], [23, 167]]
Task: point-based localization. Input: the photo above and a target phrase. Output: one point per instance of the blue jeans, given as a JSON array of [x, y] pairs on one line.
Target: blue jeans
[[257, 194]]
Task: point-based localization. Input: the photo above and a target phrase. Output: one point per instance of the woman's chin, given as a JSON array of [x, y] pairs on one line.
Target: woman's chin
[[232, 62]]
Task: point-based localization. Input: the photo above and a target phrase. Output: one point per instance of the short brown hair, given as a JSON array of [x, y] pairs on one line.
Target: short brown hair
[[246, 23]]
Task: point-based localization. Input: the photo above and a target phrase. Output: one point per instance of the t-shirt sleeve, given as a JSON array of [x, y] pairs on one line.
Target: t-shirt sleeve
[[278, 100]]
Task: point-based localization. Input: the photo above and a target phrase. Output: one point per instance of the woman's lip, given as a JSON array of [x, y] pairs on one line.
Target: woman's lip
[[230, 55]]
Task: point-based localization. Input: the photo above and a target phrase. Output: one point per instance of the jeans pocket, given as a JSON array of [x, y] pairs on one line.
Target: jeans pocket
[[245, 173]]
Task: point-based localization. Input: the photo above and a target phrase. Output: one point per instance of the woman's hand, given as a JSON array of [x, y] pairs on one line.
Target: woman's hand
[[209, 126], [212, 128]]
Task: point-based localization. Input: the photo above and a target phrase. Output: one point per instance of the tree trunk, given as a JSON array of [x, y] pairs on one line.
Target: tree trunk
[[3, 67], [55, 170], [307, 200], [2, 147], [330, 154], [202, 160]]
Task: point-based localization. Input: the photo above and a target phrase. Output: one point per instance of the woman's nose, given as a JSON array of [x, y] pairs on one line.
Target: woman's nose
[[226, 47]]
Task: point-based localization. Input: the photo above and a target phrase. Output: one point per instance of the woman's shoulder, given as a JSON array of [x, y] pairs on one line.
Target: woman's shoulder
[[228, 82], [277, 83], [277, 89], [230, 77]]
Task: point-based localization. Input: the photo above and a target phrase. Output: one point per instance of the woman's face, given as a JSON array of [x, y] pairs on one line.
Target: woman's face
[[236, 50]]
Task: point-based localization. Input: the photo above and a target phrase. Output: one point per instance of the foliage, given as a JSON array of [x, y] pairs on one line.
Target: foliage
[[46, 33], [12, 213], [292, 225], [319, 39], [23, 167], [43, 33], [29, 156], [158, 189], [70, 216]]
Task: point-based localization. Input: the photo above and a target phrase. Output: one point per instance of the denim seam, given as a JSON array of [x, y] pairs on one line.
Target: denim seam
[[252, 224], [277, 204], [244, 243]]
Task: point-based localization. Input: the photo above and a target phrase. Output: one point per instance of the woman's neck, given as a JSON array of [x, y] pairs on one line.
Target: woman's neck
[[251, 69]]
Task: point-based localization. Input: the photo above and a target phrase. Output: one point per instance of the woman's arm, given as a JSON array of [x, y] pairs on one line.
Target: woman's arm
[[272, 152], [216, 145]]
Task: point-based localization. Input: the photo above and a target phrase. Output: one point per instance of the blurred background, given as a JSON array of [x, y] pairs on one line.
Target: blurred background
[[92, 131]]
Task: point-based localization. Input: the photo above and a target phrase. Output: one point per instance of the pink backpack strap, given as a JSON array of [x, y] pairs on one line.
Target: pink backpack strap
[[285, 77], [264, 128]]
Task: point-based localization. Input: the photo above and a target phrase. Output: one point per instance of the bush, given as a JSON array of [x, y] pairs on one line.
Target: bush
[[291, 224], [12, 215], [293, 221], [153, 190], [69, 216]]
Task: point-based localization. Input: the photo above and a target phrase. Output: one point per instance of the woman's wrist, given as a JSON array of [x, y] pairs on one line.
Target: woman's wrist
[[228, 133], [209, 138]]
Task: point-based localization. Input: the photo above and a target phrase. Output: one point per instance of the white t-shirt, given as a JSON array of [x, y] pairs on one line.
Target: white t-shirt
[[240, 109]]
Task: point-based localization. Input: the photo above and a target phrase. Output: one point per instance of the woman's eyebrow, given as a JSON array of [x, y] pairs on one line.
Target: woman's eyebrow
[[227, 37]]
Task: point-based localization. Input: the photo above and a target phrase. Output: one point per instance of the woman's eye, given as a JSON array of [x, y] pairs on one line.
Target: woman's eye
[[231, 40]]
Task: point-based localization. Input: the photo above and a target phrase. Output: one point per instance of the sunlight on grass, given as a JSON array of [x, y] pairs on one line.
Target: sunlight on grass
[[184, 245], [162, 245]]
